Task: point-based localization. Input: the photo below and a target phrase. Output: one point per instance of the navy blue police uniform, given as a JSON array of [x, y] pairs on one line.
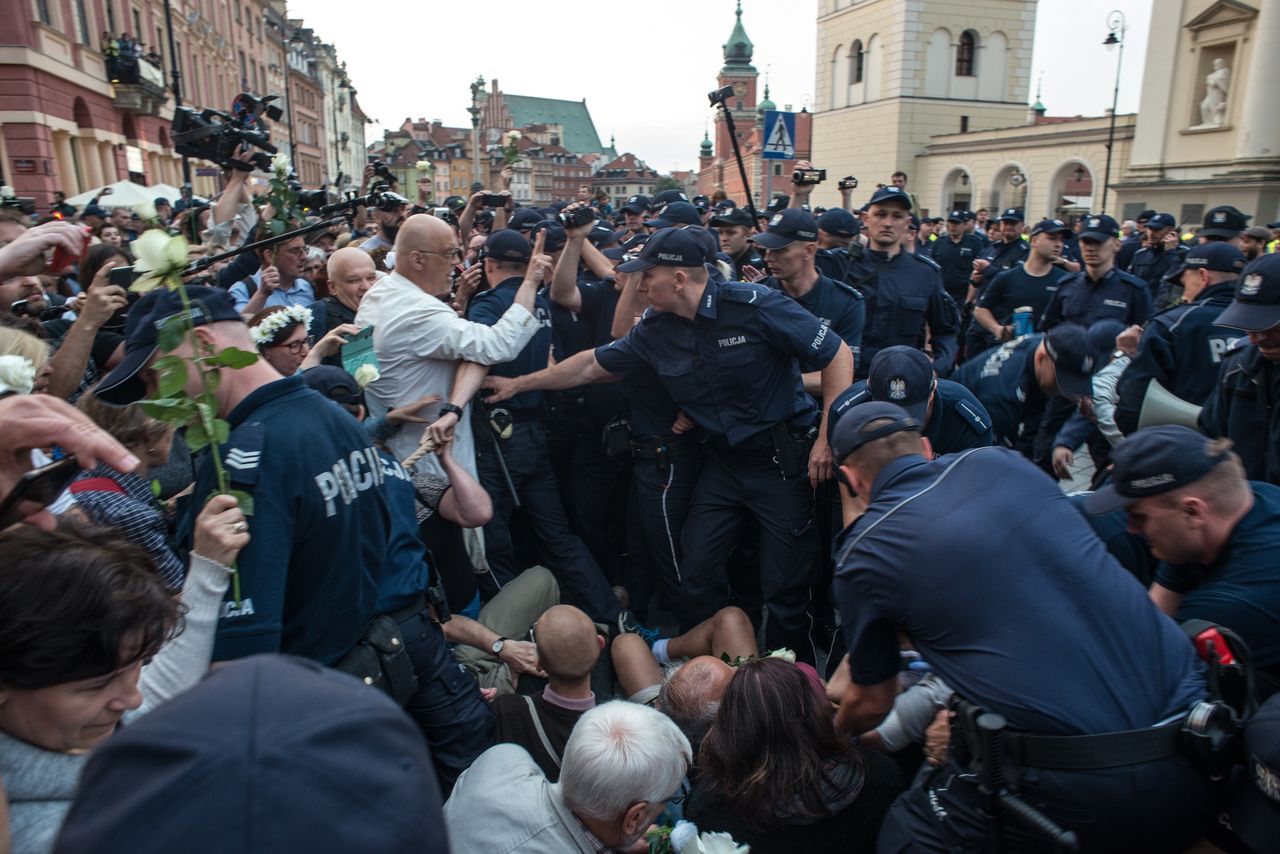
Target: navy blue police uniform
[[749, 257], [836, 261], [1003, 380], [1001, 256], [1116, 296], [904, 294], [734, 369], [957, 422], [1183, 350], [1031, 634], [1152, 265], [955, 260], [524, 449]]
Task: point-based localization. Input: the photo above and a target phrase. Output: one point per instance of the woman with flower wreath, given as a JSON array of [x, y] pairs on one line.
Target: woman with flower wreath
[[281, 334]]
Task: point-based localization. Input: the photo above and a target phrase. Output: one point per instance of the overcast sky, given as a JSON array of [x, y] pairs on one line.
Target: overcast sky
[[644, 75]]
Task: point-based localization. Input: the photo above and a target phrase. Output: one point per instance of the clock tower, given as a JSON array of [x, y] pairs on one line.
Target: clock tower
[[739, 73]]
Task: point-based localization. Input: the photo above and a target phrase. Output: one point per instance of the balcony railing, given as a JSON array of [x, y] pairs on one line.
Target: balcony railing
[[138, 77]]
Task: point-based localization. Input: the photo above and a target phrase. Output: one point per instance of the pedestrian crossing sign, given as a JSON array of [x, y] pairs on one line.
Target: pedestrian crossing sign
[[779, 135]]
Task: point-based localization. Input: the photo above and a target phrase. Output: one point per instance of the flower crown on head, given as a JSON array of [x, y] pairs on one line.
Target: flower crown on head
[[264, 333]]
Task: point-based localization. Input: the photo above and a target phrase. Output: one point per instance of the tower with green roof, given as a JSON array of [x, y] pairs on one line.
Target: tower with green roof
[[739, 73]]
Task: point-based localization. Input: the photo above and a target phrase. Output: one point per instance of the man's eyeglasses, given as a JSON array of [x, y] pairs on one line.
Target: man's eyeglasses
[[297, 251], [455, 252]]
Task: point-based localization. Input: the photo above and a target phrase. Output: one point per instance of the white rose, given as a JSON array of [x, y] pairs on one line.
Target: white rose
[[423, 166], [157, 255], [366, 374], [280, 164], [145, 211], [17, 373], [719, 843], [783, 653], [684, 833], [513, 136]]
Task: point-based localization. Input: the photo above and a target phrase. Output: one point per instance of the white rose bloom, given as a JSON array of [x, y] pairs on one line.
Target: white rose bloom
[[785, 654], [280, 164], [513, 136], [146, 211], [684, 833], [366, 374], [718, 843], [157, 255], [17, 373]]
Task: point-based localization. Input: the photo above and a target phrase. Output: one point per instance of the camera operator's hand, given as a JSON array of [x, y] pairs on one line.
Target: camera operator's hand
[[365, 178], [476, 202], [581, 231], [25, 256], [804, 190], [103, 301], [510, 204]]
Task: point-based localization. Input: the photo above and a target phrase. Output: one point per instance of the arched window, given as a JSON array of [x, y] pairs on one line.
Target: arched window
[[856, 60], [966, 54]]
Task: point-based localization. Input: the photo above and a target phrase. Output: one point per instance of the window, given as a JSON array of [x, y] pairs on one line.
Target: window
[[137, 23], [82, 21], [966, 54], [237, 8], [856, 59], [244, 71], [964, 124], [111, 17]]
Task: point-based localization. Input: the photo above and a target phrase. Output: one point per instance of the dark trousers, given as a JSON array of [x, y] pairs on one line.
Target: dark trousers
[[663, 492], [782, 511], [1155, 806], [597, 488], [581, 581], [447, 706]]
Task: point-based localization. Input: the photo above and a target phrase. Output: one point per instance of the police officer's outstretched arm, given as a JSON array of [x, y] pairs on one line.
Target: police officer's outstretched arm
[[579, 369]]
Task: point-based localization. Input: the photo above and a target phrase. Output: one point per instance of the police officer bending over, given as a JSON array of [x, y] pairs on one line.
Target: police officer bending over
[[1035, 622], [903, 290], [1215, 533], [1183, 347], [730, 355]]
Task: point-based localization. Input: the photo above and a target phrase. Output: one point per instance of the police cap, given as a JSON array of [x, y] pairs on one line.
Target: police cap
[[957, 216], [1224, 221], [508, 244], [554, 238], [524, 219], [1162, 220], [1078, 353], [1099, 227], [676, 213], [903, 376], [1154, 461], [1217, 255], [1051, 226], [886, 195], [1257, 298], [786, 227], [1010, 215], [733, 216], [667, 197], [334, 383], [851, 431], [636, 204], [839, 222], [670, 247], [1254, 810]]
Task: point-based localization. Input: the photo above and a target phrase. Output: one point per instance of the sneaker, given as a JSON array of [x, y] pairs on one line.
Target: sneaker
[[628, 624]]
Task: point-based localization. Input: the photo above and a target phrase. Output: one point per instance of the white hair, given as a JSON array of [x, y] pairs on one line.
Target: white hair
[[621, 753]]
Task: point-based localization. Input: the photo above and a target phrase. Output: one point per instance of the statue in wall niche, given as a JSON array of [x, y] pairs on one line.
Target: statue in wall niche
[[1213, 109]]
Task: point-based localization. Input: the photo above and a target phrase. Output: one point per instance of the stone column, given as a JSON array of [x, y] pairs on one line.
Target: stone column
[[90, 164], [65, 163], [110, 169], [1257, 117]]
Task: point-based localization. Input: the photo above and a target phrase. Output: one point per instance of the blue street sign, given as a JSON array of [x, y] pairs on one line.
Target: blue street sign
[[779, 135]]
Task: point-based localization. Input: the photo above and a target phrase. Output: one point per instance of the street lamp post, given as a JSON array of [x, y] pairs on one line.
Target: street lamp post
[[340, 86], [1115, 39], [285, 42], [177, 80], [477, 86]]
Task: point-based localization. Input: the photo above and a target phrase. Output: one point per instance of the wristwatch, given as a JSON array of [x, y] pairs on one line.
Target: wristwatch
[[445, 409], [496, 649]]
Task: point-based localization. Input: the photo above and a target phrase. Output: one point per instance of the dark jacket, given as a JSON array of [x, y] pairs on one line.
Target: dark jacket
[[1243, 408]]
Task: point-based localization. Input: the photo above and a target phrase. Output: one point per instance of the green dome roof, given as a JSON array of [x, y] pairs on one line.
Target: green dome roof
[[738, 49]]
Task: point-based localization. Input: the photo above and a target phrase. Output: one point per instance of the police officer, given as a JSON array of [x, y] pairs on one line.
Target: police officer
[[904, 291], [1245, 405], [790, 250], [1099, 291], [1225, 222], [1008, 252], [307, 584], [731, 355], [735, 228], [1130, 245], [517, 434], [1215, 532], [679, 213], [838, 247], [1163, 252], [1015, 380], [955, 255], [633, 212], [1029, 285], [1030, 635], [952, 418], [1182, 348]]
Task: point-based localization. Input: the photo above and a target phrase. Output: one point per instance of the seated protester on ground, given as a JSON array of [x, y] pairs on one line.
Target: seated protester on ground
[[1082, 429], [90, 339], [774, 773], [332, 766], [278, 280], [87, 636], [1215, 533], [568, 646], [125, 501], [621, 764], [281, 335], [638, 663], [483, 635], [691, 694]]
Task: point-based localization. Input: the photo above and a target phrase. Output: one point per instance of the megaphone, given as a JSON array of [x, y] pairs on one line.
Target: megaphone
[[1161, 406]]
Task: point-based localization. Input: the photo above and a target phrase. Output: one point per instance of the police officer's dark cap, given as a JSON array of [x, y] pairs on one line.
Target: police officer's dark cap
[[1274, 225], [676, 213], [669, 247], [1010, 215], [851, 431], [455, 203], [334, 383], [1077, 356], [637, 204], [1254, 810], [604, 234], [733, 216], [507, 244], [524, 219], [1257, 298], [903, 376], [1224, 221], [1099, 227], [667, 197], [1162, 220], [208, 305], [957, 216], [94, 210], [787, 227], [1145, 216], [1051, 226], [555, 238], [1153, 461], [839, 222], [885, 195], [915, 223], [702, 203], [1217, 255]]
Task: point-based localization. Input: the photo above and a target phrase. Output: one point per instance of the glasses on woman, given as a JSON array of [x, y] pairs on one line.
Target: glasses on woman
[[297, 348]]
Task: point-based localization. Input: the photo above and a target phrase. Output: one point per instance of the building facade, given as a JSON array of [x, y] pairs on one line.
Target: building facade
[[626, 175]]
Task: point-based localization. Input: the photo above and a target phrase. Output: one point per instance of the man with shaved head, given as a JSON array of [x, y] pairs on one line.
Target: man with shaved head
[[424, 347], [568, 648], [351, 274]]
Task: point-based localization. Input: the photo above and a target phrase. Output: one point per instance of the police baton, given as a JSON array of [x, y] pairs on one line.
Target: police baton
[[480, 424]]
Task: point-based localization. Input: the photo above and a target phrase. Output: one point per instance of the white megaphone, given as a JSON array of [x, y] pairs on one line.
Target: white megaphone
[[1161, 406]]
